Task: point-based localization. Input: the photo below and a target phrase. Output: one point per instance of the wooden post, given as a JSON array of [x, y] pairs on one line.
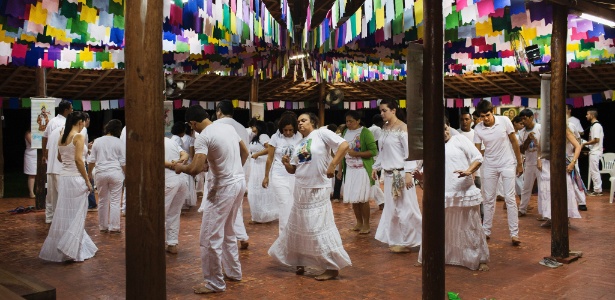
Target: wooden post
[[321, 103], [41, 168], [559, 207], [1, 154], [433, 195], [254, 87], [414, 101], [145, 254]]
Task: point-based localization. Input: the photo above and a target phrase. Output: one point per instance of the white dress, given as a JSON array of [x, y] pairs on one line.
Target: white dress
[[29, 160], [465, 240], [401, 221], [357, 186], [67, 239], [311, 237], [263, 205]]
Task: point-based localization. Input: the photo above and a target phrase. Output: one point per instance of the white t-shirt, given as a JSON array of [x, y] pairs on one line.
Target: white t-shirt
[[123, 139], [241, 131], [470, 136], [312, 157], [58, 121], [220, 142], [376, 131], [498, 151], [283, 146], [578, 128], [178, 140], [108, 154], [86, 140], [54, 166], [531, 153], [172, 151], [353, 137], [596, 132], [255, 147]]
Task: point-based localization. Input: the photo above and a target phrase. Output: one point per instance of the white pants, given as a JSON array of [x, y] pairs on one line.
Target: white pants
[[240, 228], [377, 193], [519, 184], [51, 200], [191, 193], [175, 192], [594, 171], [218, 241], [489, 184], [200, 182], [109, 185], [530, 173], [124, 200], [283, 189]]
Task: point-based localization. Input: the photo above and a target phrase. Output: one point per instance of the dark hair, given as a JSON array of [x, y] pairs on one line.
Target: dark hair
[[313, 119], [517, 119], [377, 120], [288, 118], [64, 106], [593, 112], [72, 119], [196, 113], [393, 105], [86, 115], [188, 130], [225, 107], [353, 114], [114, 127], [476, 114], [251, 122], [484, 107], [569, 107], [465, 112], [332, 127], [178, 128], [270, 128], [526, 113], [261, 128]]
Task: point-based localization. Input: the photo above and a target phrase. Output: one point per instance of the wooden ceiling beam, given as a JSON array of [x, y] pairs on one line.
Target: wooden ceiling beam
[[373, 91], [33, 85], [204, 86], [592, 74], [272, 92], [495, 85], [519, 83], [115, 87], [15, 72], [66, 83], [576, 85], [461, 77], [456, 89], [588, 7], [93, 84], [189, 83]]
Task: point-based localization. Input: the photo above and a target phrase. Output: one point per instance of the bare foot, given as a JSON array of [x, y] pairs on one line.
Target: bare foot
[[300, 270], [356, 227], [327, 275], [202, 289], [483, 267], [418, 264], [364, 230], [399, 249]]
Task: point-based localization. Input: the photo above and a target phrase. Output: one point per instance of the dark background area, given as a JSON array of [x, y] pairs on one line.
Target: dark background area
[[16, 121]]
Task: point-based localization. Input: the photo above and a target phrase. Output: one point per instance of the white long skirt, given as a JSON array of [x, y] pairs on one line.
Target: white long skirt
[[465, 240], [67, 239], [263, 204], [545, 191], [29, 162], [357, 187], [311, 237], [283, 188], [401, 223]]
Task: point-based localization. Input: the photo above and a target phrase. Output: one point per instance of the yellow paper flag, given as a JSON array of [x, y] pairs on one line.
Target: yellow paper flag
[[38, 14], [88, 14], [418, 11], [379, 18], [86, 55]]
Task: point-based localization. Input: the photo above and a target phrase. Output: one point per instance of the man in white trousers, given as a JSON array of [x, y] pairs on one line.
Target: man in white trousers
[[501, 160], [175, 192], [594, 143], [51, 137], [219, 149], [224, 114], [529, 138]]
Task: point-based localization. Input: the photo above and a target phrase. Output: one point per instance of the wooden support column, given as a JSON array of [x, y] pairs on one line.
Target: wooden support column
[[145, 254], [433, 195], [559, 207], [321, 103], [41, 168], [254, 87]]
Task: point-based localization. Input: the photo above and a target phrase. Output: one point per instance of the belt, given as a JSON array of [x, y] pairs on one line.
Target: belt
[[391, 171]]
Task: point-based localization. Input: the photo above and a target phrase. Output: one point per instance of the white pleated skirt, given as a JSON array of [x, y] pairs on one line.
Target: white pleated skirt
[[283, 189], [545, 191], [401, 223], [263, 204], [67, 239], [311, 238], [357, 187], [29, 162]]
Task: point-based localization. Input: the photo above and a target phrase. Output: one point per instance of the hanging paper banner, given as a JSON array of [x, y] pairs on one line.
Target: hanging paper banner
[[257, 110]]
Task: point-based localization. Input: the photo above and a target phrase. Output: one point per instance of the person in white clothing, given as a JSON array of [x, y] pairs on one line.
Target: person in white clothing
[[224, 115], [175, 192], [376, 130], [29, 162], [311, 237], [92, 206], [282, 183], [51, 136], [263, 205], [219, 149], [577, 130], [178, 131], [529, 144], [500, 161], [123, 140], [107, 156], [188, 142], [594, 143]]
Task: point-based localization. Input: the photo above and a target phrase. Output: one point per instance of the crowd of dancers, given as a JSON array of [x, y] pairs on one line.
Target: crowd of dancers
[[288, 174]]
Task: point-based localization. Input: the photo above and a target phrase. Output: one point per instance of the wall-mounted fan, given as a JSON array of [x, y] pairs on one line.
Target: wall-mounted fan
[[334, 97], [173, 88], [517, 43]]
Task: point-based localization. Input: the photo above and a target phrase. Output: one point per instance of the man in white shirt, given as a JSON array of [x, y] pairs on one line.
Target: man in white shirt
[[574, 121], [529, 138], [376, 130], [594, 143], [92, 206], [219, 149], [465, 129], [500, 161], [224, 114], [51, 137]]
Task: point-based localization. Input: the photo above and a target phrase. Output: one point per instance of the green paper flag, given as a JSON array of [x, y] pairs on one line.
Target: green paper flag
[[69, 10], [102, 56], [95, 105], [452, 20], [26, 102], [118, 21], [77, 105]]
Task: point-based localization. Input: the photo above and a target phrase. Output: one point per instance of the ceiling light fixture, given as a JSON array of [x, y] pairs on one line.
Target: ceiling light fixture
[[597, 19]]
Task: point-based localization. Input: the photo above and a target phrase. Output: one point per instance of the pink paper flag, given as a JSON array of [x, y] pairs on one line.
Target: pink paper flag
[[450, 102], [359, 105], [353, 105], [578, 102], [485, 7], [461, 4], [177, 104], [269, 105], [516, 101], [587, 100], [458, 102], [532, 102], [506, 99], [86, 105]]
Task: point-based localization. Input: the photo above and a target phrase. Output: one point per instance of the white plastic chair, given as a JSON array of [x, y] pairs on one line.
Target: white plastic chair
[[607, 162]]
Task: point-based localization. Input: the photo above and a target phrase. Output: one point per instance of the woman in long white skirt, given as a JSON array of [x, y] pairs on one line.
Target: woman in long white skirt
[[311, 237], [67, 239], [263, 205], [282, 183], [401, 223], [29, 163], [357, 168]]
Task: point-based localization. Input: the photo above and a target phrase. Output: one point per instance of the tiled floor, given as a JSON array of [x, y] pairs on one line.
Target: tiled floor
[[376, 273]]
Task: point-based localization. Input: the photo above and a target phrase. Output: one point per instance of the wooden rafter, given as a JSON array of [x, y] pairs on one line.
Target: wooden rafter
[[280, 87], [203, 87], [8, 79], [373, 91], [117, 85], [33, 85], [66, 83], [468, 83], [93, 84], [576, 85], [495, 85], [519, 83], [189, 83], [592, 74], [456, 89]]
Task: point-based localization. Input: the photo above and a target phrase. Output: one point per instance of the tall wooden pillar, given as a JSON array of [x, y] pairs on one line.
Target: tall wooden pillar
[[41, 168], [254, 86], [433, 195], [321, 102], [559, 208], [145, 254]]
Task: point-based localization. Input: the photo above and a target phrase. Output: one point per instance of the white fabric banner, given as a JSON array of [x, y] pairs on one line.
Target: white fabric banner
[[257, 110], [41, 112]]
